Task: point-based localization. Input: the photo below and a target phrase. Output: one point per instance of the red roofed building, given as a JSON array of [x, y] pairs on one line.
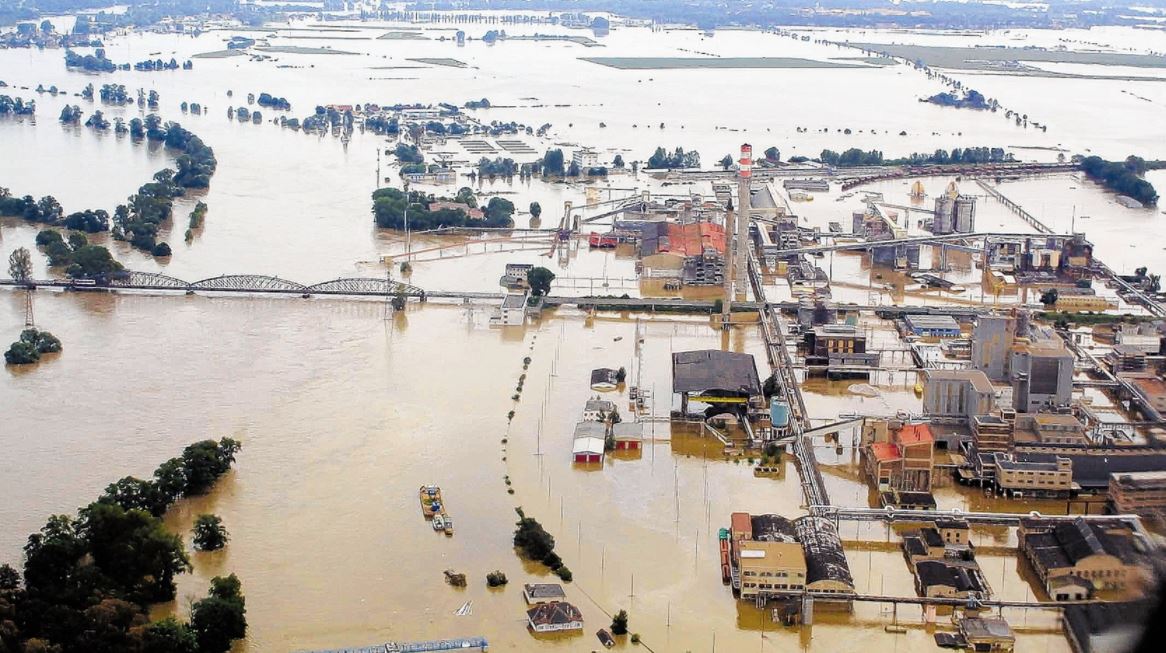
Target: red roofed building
[[898, 456], [472, 213], [693, 239]]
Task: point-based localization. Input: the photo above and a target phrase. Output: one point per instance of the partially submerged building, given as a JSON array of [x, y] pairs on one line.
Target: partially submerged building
[[1042, 373], [987, 634], [950, 579], [991, 339], [1105, 553], [898, 456], [554, 616], [511, 312], [712, 381], [826, 567], [1138, 493], [773, 557], [838, 350], [960, 394]]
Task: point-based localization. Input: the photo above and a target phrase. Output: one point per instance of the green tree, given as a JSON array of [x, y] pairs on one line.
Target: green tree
[[1049, 297], [20, 265], [221, 617], [573, 170], [496, 579], [772, 154], [553, 162], [617, 162], [135, 494], [9, 578], [209, 533], [726, 162], [77, 240], [169, 636], [21, 353], [205, 461], [134, 550], [532, 539], [465, 195], [92, 262], [499, 210], [43, 341], [536, 210], [619, 623], [540, 280]]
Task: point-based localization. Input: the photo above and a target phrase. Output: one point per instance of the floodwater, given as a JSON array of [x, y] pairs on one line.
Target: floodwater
[[344, 413]]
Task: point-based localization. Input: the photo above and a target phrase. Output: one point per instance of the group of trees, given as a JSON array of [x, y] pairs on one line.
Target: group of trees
[[272, 102], [537, 544], [856, 157], [157, 64], [677, 159], [80, 259], [390, 206], [114, 94], [499, 167], [96, 62], [971, 99], [408, 154], [30, 346], [1123, 177], [16, 106], [139, 220], [97, 121], [46, 210], [89, 580], [70, 115]]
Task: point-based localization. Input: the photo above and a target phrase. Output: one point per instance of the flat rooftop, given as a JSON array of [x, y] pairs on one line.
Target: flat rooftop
[[714, 370], [977, 378]]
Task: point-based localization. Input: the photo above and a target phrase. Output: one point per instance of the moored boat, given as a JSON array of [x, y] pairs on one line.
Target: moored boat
[[431, 503]]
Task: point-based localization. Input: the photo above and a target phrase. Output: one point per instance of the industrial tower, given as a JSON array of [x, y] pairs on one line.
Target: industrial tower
[[737, 236]]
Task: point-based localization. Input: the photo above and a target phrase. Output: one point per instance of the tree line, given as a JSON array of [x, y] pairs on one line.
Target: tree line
[[80, 259], [139, 219], [678, 158], [16, 106], [856, 157], [89, 580], [1123, 177], [390, 205]]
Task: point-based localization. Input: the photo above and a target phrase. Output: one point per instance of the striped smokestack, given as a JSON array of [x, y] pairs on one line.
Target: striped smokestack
[[746, 162]]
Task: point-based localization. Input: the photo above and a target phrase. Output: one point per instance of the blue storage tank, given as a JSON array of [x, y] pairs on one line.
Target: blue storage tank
[[778, 412]]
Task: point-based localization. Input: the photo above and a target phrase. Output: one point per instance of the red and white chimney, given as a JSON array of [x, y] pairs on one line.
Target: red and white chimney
[[746, 162]]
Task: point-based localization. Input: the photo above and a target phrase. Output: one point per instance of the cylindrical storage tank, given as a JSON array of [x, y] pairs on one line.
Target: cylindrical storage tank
[[778, 412]]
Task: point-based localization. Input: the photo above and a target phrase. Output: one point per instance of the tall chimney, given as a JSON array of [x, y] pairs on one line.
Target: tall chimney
[[744, 204]]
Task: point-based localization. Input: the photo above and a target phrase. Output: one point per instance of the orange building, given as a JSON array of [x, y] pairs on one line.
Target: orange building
[[898, 456]]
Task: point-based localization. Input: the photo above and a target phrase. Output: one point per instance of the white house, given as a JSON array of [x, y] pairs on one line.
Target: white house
[[597, 410], [585, 158], [512, 311]]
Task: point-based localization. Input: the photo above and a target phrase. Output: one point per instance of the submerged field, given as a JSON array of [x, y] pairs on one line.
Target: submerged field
[[679, 63], [990, 58]]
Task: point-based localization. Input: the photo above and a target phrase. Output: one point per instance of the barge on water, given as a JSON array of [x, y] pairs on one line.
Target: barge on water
[[431, 503]]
